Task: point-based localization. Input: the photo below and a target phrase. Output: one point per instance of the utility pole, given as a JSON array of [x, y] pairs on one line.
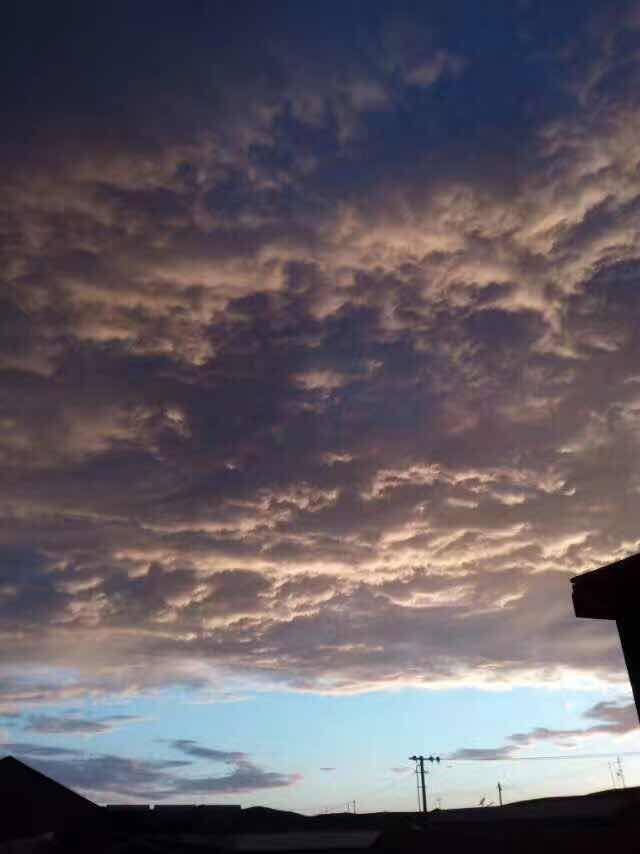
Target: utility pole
[[620, 773], [420, 760], [500, 793], [420, 769]]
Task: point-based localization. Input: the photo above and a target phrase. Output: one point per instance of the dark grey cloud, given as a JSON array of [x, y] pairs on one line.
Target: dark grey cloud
[[106, 775], [245, 775], [320, 368], [244, 778], [192, 748], [111, 775], [611, 719], [37, 751], [483, 753], [76, 725]]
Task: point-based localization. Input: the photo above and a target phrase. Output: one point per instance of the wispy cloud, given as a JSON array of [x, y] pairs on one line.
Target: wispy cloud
[[611, 719], [104, 775], [76, 725]]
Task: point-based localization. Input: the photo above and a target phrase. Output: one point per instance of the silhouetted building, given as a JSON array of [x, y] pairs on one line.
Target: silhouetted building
[[201, 818], [32, 803], [175, 818], [613, 593]]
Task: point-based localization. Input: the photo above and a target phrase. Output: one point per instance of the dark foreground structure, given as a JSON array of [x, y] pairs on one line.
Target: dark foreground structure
[[613, 593], [39, 816], [32, 803]]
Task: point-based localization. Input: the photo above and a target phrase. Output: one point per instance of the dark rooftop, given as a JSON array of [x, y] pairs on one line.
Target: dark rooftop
[[609, 592], [33, 803]]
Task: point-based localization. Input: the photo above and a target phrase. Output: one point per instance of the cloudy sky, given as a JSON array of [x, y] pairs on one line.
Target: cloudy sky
[[319, 379]]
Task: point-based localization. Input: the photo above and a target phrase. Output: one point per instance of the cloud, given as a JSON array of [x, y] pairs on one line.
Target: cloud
[[192, 748], [105, 775], [309, 375], [38, 751], [245, 776], [75, 725], [611, 719], [483, 753]]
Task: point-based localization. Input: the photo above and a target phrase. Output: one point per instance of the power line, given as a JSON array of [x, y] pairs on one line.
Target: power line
[[541, 758], [392, 783], [389, 784]]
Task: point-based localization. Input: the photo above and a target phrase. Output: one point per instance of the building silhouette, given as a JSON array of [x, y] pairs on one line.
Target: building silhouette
[[32, 803], [612, 593]]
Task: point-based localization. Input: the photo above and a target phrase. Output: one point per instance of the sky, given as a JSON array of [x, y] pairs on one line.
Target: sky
[[319, 380]]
